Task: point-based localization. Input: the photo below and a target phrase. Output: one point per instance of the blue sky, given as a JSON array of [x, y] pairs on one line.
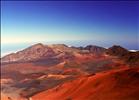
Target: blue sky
[[70, 22]]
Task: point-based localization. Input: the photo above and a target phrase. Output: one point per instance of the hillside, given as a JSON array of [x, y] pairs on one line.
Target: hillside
[[120, 84]]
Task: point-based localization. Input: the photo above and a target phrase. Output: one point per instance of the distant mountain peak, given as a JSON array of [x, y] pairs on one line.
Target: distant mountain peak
[[129, 57], [34, 52], [58, 45], [118, 47], [38, 45], [117, 50], [95, 49]]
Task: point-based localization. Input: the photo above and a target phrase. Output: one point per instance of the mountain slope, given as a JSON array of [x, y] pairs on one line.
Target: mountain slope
[[120, 84]]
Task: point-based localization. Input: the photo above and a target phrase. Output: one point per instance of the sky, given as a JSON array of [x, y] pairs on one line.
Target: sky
[[70, 22]]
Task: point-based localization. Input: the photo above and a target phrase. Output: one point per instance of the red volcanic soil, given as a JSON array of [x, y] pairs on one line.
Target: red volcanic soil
[[121, 84], [4, 97], [22, 67]]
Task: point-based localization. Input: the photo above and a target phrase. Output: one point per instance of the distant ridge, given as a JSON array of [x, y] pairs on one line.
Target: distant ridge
[[40, 51]]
